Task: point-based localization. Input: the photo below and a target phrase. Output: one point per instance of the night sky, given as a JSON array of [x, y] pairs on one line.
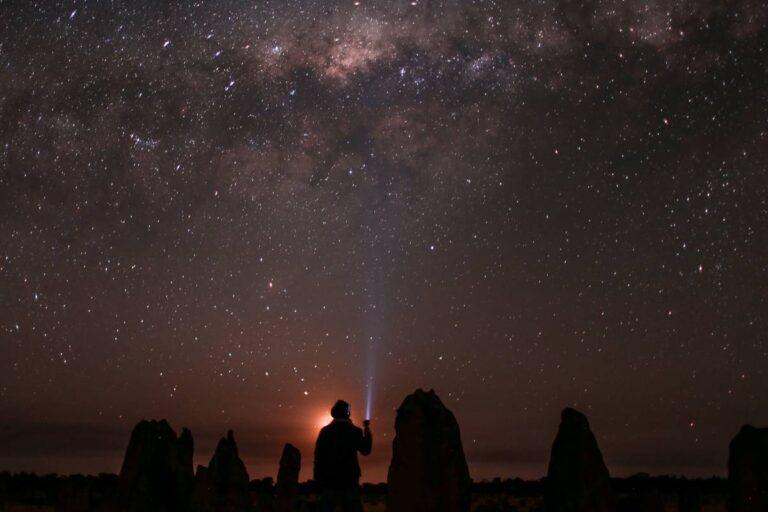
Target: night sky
[[229, 214]]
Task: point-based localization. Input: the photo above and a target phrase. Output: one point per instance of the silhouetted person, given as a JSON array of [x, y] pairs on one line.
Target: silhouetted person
[[336, 468]]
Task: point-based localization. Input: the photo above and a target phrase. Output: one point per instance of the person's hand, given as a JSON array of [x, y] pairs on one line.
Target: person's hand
[[366, 423]]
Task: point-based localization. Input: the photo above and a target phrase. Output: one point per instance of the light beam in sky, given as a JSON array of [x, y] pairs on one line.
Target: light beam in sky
[[370, 374]]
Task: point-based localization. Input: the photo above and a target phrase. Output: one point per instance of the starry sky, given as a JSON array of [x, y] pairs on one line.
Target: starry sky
[[229, 214]]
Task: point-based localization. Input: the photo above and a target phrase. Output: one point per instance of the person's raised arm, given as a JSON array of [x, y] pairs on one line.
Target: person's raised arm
[[366, 442]]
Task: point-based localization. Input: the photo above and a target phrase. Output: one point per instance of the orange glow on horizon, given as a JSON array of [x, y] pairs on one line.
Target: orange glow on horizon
[[321, 420]]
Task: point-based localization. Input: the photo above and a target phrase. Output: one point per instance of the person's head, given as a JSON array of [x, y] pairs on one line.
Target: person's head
[[341, 410]]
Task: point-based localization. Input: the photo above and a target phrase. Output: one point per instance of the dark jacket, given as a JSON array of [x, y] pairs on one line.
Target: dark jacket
[[336, 454]]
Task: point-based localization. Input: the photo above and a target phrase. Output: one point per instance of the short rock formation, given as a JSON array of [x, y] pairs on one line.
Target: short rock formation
[[157, 470], [577, 479], [428, 472], [223, 485], [748, 470], [288, 479]]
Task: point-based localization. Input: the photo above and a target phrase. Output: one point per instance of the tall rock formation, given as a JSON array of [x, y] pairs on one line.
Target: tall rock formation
[[223, 485], [157, 470], [428, 472], [748, 470], [288, 479], [577, 479]]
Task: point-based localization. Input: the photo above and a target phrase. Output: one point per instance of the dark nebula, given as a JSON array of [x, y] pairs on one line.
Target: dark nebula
[[213, 212]]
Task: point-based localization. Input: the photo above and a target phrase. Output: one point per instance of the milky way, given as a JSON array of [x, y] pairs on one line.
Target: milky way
[[209, 212]]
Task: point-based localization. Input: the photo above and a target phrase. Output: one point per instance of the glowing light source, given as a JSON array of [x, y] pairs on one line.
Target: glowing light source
[[322, 420]]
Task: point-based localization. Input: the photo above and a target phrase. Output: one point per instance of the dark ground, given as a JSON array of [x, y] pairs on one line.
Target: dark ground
[[28, 492]]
